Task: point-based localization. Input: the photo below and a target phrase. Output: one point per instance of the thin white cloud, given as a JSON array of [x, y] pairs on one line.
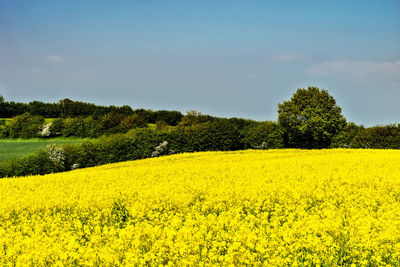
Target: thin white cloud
[[356, 67], [54, 59], [288, 57]]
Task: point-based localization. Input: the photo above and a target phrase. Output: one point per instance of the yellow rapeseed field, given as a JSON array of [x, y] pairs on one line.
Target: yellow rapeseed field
[[275, 207]]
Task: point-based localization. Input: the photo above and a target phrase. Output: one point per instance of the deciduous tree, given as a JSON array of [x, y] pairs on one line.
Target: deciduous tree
[[310, 118]]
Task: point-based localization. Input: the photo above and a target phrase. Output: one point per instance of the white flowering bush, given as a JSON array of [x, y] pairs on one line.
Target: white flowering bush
[[57, 156], [75, 166], [161, 149], [45, 131], [263, 145]]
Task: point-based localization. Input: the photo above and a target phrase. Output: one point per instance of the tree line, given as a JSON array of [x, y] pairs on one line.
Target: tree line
[[140, 143], [68, 108], [310, 119]]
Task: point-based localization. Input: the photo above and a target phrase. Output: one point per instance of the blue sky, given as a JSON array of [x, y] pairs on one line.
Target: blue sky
[[224, 58]]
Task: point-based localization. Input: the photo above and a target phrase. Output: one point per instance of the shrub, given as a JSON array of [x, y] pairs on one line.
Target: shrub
[[349, 137], [193, 117], [88, 154], [56, 127], [264, 135], [45, 131], [25, 126], [161, 126], [218, 135], [4, 131], [354, 136], [101, 151], [57, 156], [85, 127], [169, 117], [133, 121], [210, 136], [242, 124], [73, 154], [117, 148], [161, 149], [379, 137], [72, 126], [38, 163], [110, 123], [145, 141]]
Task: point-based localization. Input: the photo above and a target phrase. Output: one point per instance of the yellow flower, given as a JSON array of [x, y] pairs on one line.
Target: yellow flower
[[273, 208]]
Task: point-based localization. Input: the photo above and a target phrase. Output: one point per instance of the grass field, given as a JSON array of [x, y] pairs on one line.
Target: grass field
[[275, 208], [12, 148]]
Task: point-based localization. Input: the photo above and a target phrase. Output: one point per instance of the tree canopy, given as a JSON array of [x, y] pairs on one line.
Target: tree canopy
[[310, 118]]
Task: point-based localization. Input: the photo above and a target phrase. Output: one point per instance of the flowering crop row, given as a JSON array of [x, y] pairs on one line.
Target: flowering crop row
[[276, 207]]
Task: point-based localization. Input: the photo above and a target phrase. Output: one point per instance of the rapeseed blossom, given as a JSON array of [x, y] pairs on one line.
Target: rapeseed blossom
[[275, 207]]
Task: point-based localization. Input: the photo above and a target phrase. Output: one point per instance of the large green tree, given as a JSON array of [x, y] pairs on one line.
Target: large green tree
[[310, 119]]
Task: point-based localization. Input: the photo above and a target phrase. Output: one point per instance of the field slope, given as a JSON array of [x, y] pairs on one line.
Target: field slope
[[13, 148], [277, 207]]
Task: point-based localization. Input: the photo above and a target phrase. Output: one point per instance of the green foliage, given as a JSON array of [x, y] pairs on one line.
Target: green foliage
[[2, 106], [161, 126], [115, 149], [69, 108], [57, 156], [146, 140], [56, 127], [137, 144], [110, 123], [38, 163], [169, 117], [48, 110], [310, 119], [64, 108], [194, 117], [210, 136], [11, 109], [220, 135], [133, 121], [85, 127], [3, 129], [382, 137], [104, 150], [108, 119], [25, 126], [242, 124], [106, 124], [354, 136], [349, 137], [73, 155], [119, 213], [73, 127], [264, 135]]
